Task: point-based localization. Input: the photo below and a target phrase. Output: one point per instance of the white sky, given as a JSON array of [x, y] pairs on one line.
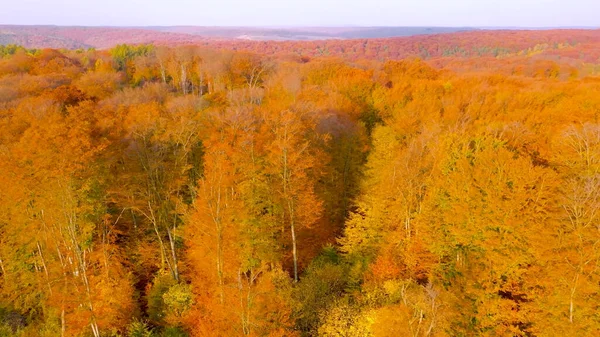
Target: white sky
[[521, 13]]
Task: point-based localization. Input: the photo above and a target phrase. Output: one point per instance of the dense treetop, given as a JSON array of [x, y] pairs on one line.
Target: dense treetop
[[174, 191]]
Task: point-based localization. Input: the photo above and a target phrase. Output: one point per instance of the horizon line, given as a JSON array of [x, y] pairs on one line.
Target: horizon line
[[301, 26]]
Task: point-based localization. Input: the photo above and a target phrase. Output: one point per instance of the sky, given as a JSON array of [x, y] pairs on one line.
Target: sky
[[447, 13]]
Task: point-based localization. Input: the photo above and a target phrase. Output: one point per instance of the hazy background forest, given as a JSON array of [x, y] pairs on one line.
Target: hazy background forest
[[439, 185]]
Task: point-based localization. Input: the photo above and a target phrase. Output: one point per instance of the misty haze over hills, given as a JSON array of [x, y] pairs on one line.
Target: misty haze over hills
[[307, 33], [104, 37], [75, 37]]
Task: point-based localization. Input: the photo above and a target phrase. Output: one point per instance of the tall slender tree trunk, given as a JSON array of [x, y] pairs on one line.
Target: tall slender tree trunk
[[63, 325], [294, 250], [43, 265], [183, 80], [2, 269], [163, 73], [173, 253], [572, 297], [290, 201]]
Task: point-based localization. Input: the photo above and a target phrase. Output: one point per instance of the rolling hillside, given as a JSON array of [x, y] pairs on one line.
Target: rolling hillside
[[106, 37]]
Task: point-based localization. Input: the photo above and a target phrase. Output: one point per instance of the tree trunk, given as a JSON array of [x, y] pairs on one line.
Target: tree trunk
[[571, 297], [63, 326], [220, 264], [183, 79], [163, 74], [163, 254], [43, 265], [2, 269], [173, 253], [294, 252]]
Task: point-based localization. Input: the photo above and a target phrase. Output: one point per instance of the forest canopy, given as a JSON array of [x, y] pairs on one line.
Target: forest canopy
[[191, 191]]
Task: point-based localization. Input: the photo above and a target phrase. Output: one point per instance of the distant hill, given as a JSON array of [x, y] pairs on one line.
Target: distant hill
[[577, 45], [106, 37], [377, 43], [86, 37], [305, 33]]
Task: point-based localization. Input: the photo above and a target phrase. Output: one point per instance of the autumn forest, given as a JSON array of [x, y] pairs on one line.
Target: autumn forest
[[446, 185]]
